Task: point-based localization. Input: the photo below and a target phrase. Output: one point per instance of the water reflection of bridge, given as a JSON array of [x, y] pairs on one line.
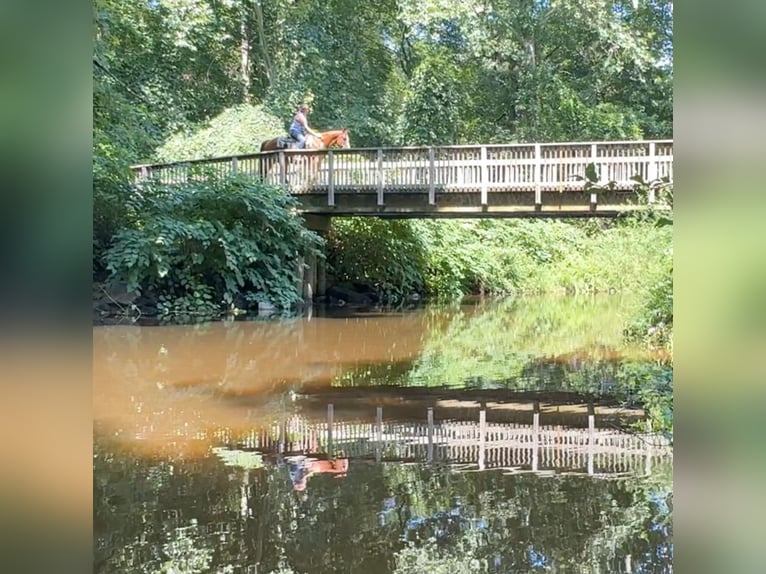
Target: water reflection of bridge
[[466, 444]]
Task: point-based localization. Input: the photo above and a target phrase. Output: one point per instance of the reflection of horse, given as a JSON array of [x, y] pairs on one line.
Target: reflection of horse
[[328, 139], [301, 468]]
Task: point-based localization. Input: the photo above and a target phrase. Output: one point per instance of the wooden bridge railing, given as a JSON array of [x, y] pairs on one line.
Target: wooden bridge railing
[[476, 168]]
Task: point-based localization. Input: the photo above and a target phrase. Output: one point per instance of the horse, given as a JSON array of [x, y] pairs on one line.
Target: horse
[[329, 139]]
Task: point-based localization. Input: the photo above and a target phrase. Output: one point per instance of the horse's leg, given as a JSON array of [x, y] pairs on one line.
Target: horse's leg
[[298, 169], [314, 169], [289, 167], [264, 166]]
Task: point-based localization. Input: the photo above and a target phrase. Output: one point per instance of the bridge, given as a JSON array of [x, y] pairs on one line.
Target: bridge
[[510, 180]]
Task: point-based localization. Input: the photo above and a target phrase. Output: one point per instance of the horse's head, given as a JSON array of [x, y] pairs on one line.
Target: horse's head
[[337, 138]]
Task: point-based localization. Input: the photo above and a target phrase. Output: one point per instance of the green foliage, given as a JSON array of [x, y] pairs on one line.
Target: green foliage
[[338, 54], [176, 57], [198, 246], [428, 557], [408, 70], [435, 102], [651, 386], [452, 520], [386, 254], [528, 343], [653, 323], [454, 258], [467, 257], [235, 131]]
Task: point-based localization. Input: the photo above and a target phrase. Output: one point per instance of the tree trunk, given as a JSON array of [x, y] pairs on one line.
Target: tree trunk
[[262, 42], [244, 52]]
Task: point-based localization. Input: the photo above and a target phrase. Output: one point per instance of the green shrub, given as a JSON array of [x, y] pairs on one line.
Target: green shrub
[[653, 323], [198, 246], [387, 254], [235, 131], [452, 258], [651, 386]]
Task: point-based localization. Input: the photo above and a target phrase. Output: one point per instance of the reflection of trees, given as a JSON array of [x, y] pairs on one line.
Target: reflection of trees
[[553, 344], [494, 342], [150, 515], [575, 524]]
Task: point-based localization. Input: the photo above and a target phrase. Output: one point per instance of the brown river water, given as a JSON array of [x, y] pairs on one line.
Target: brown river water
[[440, 439]]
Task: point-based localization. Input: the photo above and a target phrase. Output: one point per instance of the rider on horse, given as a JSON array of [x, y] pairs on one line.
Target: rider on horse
[[300, 127]]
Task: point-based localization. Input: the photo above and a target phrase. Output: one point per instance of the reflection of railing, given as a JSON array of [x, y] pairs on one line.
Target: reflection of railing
[[514, 447]]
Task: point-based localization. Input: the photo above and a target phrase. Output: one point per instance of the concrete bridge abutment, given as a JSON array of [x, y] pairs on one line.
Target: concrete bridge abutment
[[312, 269]]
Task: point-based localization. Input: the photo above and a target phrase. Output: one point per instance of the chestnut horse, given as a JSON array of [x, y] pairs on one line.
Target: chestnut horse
[[328, 139]]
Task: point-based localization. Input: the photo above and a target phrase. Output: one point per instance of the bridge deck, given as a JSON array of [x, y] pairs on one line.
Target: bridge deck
[[515, 180]]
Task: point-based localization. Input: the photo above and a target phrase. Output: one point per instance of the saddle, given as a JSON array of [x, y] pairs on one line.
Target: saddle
[[285, 142]]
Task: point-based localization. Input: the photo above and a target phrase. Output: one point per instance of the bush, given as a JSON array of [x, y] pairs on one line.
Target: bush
[[651, 386], [653, 323], [386, 254], [467, 257], [237, 130], [452, 258], [195, 248]]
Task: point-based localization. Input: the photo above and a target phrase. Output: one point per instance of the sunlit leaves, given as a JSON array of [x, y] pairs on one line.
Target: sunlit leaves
[[237, 130]]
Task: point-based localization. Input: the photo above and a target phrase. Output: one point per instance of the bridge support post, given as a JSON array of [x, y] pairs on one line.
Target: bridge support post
[[482, 438], [282, 168], [431, 178], [648, 460], [379, 434], [315, 277], [330, 180], [591, 434], [651, 172], [300, 279], [309, 278], [321, 277], [430, 452], [380, 177], [535, 435], [282, 437], [537, 173], [483, 172], [330, 428], [594, 159]]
